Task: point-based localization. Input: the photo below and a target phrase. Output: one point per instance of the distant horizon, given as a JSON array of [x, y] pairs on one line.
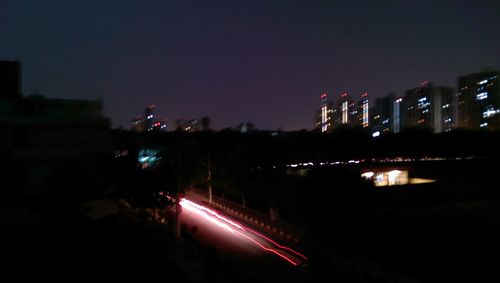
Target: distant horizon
[[264, 62], [330, 98]]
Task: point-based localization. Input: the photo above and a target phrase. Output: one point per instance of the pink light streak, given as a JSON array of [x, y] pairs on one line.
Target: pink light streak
[[226, 223]]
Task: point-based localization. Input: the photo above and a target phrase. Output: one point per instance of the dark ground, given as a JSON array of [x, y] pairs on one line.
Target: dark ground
[[447, 231], [443, 232], [112, 249]]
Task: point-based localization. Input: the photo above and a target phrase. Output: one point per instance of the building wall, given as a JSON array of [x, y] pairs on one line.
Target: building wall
[[43, 140], [324, 115], [448, 106], [383, 114], [10, 79], [479, 101], [424, 108]]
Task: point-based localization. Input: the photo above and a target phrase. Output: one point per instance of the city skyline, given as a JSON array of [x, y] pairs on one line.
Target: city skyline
[[266, 63]]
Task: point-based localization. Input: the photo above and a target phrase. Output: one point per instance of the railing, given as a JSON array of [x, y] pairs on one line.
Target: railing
[[358, 269], [259, 220]]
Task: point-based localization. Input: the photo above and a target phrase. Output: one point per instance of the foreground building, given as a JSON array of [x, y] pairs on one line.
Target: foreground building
[[43, 140]]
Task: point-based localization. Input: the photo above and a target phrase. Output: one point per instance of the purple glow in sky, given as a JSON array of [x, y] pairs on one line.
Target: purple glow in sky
[[266, 62]]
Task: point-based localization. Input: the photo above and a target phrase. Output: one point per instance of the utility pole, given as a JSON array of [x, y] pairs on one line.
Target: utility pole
[[178, 207], [209, 181]]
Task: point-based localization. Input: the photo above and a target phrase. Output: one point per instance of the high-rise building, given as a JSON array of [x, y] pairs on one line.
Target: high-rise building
[[324, 116], [396, 116], [383, 114], [163, 125], [149, 118], [353, 114], [347, 110], [363, 111], [137, 124], [189, 125], [374, 120], [148, 123], [425, 107], [324, 113], [448, 112], [344, 109], [10, 79], [479, 101]]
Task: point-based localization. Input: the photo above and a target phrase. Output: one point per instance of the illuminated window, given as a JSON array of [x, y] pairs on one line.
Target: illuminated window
[[481, 96], [490, 112], [344, 113]]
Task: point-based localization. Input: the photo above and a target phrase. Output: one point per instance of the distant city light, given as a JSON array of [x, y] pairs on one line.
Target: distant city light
[[367, 175], [481, 96], [490, 112]]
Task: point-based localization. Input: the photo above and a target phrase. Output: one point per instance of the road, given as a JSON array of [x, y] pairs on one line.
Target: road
[[239, 252]]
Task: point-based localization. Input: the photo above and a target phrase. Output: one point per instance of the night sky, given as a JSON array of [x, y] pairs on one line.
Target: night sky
[[266, 62]]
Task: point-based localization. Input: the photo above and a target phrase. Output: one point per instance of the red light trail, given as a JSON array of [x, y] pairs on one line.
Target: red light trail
[[256, 238]]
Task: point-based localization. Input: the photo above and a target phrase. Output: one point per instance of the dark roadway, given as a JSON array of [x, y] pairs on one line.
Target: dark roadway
[[235, 258]]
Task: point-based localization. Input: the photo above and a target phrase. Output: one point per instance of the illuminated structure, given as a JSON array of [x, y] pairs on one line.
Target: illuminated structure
[[138, 124], [324, 118], [384, 177], [363, 110], [479, 101], [245, 127], [424, 107], [396, 122], [189, 125], [448, 109], [324, 115], [347, 110], [353, 114], [149, 118], [148, 123], [344, 112], [382, 114]]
